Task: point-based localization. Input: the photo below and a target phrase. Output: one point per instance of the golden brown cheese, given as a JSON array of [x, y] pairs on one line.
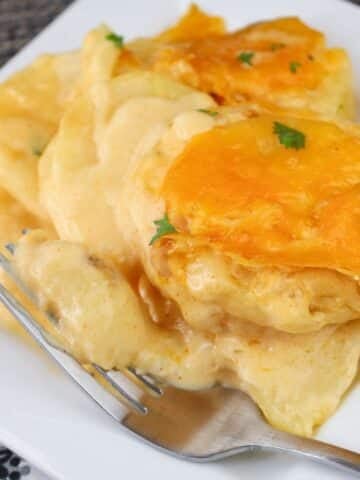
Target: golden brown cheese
[[289, 64], [242, 191], [194, 24]]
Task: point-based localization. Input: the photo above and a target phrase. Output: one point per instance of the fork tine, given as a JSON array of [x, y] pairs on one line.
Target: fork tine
[[41, 336], [146, 381], [8, 267], [10, 247], [133, 402], [92, 387], [5, 263]]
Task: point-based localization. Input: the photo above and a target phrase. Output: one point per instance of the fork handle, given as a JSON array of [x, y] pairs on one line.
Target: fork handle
[[313, 449]]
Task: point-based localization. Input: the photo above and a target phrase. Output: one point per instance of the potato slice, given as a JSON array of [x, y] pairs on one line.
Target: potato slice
[[31, 104]]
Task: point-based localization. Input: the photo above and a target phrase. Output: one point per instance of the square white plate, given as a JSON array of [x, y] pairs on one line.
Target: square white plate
[[44, 416]]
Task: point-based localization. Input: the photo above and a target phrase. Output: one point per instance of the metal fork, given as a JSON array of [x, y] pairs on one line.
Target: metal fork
[[200, 426]]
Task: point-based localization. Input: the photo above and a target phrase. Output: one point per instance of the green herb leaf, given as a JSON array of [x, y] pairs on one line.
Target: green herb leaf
[[164, 227], [289, 137], [294, 66], [212, 113], [246, 57], [117, 40], [277, 46]]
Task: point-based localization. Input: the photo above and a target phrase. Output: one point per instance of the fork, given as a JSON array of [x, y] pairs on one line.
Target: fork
[[199, 426]]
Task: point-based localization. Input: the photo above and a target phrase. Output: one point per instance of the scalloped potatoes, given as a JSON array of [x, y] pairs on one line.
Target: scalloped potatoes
[[281, 63], [245, 278]]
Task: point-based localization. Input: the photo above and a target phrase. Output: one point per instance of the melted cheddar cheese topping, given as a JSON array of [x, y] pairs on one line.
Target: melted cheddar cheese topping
[[240, 189], [288, 64]]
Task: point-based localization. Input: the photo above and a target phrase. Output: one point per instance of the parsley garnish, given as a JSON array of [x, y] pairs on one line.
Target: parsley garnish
[[294, 66], [164, 227], [246, 57], [212, 113], [277, 46], [289, 137], [117, 40]]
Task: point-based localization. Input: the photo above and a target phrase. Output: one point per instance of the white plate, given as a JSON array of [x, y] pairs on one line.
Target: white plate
[[44, 417]]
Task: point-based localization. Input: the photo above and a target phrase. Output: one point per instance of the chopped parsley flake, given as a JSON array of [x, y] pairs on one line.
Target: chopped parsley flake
[[212, 113], [289, 137], [277, 46], [117, 40], [294, 66], [246, 57], [164, 227]]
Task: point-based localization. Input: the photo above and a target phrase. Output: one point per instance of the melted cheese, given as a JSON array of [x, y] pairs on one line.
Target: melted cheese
[[244, 192], [208, 60]]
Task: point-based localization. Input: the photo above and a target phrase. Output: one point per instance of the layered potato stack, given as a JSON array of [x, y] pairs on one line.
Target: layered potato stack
[[193, 201]]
